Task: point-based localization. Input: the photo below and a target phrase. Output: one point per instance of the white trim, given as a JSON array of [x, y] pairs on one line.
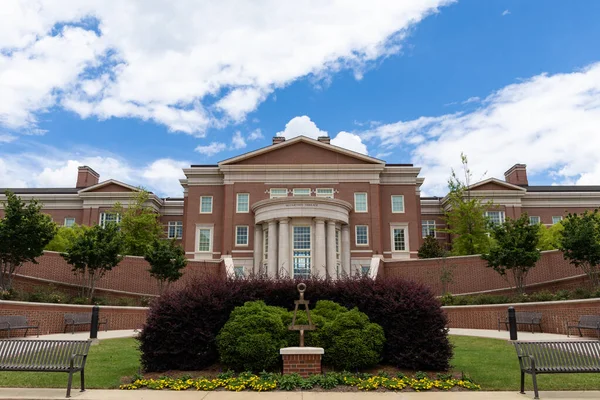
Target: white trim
[[237, 203], [247, 236], [175, 224], [211, 205], [404, 227], [108, 182], [366, 203], [356, 236], [403, 205], [210, 227], [434, 227], [498, 182]]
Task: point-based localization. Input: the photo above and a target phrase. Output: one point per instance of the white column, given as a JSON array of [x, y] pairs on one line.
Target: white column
[[330, 249], [320, 265], [258, 247], [284, 246], [346, 249], [272, 262]]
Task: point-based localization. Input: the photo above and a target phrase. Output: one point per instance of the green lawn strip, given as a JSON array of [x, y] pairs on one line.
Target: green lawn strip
[[493, 364], [107, 363]]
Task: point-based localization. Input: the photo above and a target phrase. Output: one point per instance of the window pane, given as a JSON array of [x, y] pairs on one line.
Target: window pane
[[495, 217], [242, 202], [399, 240], [360, 202], [206, 204], [534, 220], [362, 236], [106, 218], [364, 270], [428, 228], [325, 192], [397, 203], [69, 222], [301, 192], [275, 193], [239, 272], [556, 220], [241, 236], [203, 239], [175, 230], [301, 253]]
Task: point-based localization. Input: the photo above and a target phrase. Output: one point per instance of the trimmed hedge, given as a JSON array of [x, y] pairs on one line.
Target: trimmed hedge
[[181, 330]]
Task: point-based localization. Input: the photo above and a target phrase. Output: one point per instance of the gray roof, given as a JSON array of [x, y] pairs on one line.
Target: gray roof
[[41, 190]]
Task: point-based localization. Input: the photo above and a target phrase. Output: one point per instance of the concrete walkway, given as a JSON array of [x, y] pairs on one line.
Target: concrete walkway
[[525, 336], [53, 394]]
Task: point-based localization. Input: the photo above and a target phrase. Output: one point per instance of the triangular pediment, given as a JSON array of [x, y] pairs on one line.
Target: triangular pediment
[[111, 186], [301, 150], [495, 184]]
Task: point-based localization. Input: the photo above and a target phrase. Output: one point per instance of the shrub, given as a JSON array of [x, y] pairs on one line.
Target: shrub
[[351, 341], [181, 329], [251, 339]]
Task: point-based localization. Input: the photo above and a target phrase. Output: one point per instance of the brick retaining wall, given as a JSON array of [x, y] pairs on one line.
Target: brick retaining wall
[[471, 275], [555, 314], [51, 316]]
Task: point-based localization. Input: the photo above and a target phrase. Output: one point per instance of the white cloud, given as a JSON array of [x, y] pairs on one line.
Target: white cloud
[[349, 141], [301, 126], [211, 149], [188, 65], [505, 12], [7, 138], [549, 122], [59, 169], [238, 141], [255, 135]]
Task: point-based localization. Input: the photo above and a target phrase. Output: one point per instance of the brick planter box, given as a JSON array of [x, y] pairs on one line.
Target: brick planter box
[[304, 361]]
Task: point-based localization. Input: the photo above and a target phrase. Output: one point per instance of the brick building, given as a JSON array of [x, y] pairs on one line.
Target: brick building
[[303, 206]]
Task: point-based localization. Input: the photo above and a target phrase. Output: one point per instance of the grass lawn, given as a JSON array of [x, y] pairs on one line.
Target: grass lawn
[[107, 363], [493, 364]]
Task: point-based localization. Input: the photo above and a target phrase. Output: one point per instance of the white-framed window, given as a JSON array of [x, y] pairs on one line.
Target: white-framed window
[[399, 239], [301, 192], [365, 269], [398, 203], [106, 218], [533, 220], [428, 227], [241, 235], [361, 235], [325, 192], [301, 259], [360, 202], [239, 272], [206, 203], [175, 229], [556, 219], [243, 203], [204, 239], [495, 217], [278, 192], [69, 222]]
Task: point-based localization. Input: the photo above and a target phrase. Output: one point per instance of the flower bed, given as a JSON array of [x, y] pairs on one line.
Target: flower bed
[[330, 381]]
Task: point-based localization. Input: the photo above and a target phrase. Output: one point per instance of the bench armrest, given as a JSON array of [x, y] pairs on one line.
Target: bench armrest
[[69, 321], [522, 363]]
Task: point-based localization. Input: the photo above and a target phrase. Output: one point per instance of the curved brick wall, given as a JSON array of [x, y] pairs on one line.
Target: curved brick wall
[[471, 274], [51, 316], [555, 314], [131, 275]]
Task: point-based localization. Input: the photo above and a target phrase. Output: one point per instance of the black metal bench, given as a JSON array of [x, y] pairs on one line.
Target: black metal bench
[[12, 322], [530, 318], [45, 356], [563, 357], [75, 319], [586, 322]]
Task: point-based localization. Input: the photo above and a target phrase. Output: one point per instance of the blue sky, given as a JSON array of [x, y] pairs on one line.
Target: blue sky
[[139, 89]]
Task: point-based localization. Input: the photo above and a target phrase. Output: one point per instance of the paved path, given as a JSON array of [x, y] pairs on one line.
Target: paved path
[[54, 394], [495, 334]]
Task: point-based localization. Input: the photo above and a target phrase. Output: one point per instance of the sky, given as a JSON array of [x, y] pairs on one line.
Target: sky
[[139, 89]]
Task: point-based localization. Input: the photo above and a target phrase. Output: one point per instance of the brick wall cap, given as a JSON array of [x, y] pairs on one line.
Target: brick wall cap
[[66, 306], [521, 305], [302, 350]]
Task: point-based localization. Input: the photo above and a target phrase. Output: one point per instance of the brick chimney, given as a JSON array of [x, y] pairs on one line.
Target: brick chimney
[[86, 177], [324, 139], [517, 175], [278, 139]]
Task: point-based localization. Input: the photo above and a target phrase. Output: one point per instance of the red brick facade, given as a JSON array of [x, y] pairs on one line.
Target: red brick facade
[[302, 364]]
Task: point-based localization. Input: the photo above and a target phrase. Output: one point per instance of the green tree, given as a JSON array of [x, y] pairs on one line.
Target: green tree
[[93, 254], [465, 219], [140, 224], [65, 237], [431, 248], [166, 259], [515, 250], [24, 232], [550, 236], [580, 243]]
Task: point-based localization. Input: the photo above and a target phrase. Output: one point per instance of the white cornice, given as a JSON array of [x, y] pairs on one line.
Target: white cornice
[[508, 186], [562, 199], [108, 182]]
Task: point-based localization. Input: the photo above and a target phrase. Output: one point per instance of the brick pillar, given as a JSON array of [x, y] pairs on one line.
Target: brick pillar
[[304, 361]]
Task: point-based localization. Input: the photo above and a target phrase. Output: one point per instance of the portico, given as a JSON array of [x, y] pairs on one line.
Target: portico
[[302, 236]]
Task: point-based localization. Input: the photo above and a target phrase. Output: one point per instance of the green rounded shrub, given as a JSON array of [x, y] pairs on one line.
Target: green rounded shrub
[[351, 341], [250, 340]]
